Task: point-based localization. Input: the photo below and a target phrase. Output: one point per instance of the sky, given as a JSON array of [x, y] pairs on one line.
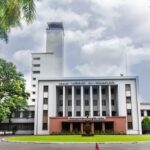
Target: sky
[[102, 38]]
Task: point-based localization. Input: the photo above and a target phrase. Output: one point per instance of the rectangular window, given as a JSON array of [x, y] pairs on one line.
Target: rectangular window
[[45, 119], [69, 103], [130, 125], [142, 113], [45, 88], [60, 91], [17, 114], [128, 99], [32, 114], [86, 102], [36, 65], [78, 102], [95, 113], [36, 58], [34, 85], [44, 126], [129, 112], [86, 91], [25, 114], [60, 114], [60, 102], [78, 91], [113, 113], [95, 91], [95, 102], [78, 113], [36, 72], [103, 91], [33, 100], [69, 91], [112, 90], [33, 92], [128, 87], [34, 78], [104, 102], [103, 113], [45, 101], [87, 113], [112, 102], [69, 113], [148, 112]]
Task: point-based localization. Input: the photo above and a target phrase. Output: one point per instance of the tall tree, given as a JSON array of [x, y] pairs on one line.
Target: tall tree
[[13, 95], [11, 14]]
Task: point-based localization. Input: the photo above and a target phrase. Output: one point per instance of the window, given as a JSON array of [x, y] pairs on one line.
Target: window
[[33, 100], [104, 102], [148, 112], [60, 114], [142, 113], [130, 125], [36, 58], [113, 113], [112, 102], [17, 114], [44, 126], [33, 92], [36, 65], [87, 113], [78, 103], [128, 99], [69, 113], [25, 114], [129, 113], [128, 87], [95, 102], [60, 91], [112, 90], [45, 101], [36, 72], [32, 114], [78, 113], [86, 102], [69, 91], [45, 88], [60, 102], [103, 91], [78, 91], [86, 91], [103, 113], [95, 91], [34, 78], [95, 113], [69, 102], [34, 85]]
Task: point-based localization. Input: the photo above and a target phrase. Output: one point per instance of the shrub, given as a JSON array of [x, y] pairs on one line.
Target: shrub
[[146, 125]]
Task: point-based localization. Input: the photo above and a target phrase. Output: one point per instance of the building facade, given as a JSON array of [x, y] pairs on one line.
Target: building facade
[[64, 104]]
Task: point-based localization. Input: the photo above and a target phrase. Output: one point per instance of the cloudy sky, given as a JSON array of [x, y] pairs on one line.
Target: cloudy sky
[[100, 36]]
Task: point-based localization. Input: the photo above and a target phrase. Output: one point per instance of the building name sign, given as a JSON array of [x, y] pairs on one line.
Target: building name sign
[[87, 83]]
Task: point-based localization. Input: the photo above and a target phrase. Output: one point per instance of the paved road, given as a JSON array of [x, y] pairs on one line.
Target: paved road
[[32, 146]]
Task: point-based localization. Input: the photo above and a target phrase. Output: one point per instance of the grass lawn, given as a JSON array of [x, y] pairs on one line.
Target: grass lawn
[[79, 138]]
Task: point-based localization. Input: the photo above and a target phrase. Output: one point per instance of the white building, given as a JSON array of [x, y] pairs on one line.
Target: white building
[[66, 103]]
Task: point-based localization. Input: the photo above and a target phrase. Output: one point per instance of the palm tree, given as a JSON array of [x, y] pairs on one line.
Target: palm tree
[[11, 14]]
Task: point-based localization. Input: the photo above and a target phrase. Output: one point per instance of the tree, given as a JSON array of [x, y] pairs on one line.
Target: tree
[[13, 96], [146, 125], [11, 14]]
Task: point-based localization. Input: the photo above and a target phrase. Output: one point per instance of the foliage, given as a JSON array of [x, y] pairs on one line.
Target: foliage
[[146, 124], [13, 96], [11, 14]]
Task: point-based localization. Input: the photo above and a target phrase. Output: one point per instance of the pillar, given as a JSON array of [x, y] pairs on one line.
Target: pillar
[[103, 126], [109, 98], [82, 102], [71, 127], [72, 101], [64, 94], [100, 101], [91, 101], [81, 126], [92, 127]]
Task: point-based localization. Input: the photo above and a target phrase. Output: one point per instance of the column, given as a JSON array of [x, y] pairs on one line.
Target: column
[[92, 126], [100, 101], [109, 98], [81, 126], [72, 101], [82, 102], [71, 127], [103, 126], [64, 94], [91, 101]]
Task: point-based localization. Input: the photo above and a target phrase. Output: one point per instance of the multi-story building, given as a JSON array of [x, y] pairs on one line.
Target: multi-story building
[[59, 103]]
